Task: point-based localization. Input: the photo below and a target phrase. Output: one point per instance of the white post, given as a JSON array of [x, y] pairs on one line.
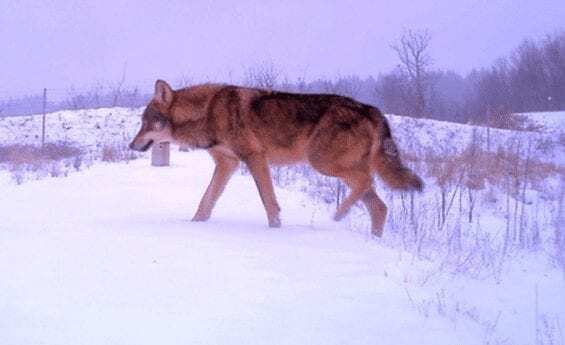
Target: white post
[[160, 154]]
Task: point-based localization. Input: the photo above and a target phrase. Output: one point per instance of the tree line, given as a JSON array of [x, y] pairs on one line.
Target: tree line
[[531, 78]]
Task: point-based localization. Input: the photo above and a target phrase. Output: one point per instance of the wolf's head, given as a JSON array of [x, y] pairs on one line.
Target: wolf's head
[[156, 120]]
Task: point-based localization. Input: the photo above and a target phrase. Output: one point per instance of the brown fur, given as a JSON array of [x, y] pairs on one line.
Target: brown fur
[[336, 135]]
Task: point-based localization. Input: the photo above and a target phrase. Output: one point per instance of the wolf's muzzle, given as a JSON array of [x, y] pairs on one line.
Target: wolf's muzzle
[[143, 148]]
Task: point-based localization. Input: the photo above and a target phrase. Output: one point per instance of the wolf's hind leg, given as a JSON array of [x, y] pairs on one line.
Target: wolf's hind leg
[[359, 182], [377, 210], [362, 189], [225, 167]]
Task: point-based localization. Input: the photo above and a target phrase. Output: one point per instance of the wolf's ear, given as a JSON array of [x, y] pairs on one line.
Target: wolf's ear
[[163, 94]]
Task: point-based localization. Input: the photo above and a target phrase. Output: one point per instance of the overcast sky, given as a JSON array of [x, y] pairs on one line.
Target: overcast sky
[[59, 44]]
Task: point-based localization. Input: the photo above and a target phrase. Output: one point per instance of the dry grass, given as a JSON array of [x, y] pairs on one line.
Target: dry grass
[[450, 221], [53, 159], [56, 159], [118, 153], [18, 154]]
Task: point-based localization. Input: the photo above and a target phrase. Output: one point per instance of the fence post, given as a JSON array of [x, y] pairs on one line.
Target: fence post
[[160, 154], [43, 119]]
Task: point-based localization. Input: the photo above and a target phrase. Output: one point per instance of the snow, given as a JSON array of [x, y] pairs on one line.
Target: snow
[[549, 120], [89, 128], [108, 256], [427, 135]]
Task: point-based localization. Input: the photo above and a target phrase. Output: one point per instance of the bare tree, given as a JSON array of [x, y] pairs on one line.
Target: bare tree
[[411, 49], [554, 56]]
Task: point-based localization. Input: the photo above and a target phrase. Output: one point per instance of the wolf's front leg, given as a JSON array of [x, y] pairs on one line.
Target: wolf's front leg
[[259, 169], [225, 167]]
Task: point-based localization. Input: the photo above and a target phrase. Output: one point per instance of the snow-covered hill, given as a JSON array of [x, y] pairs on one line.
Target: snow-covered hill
[[92, 128], [421, 135], [549, 120]]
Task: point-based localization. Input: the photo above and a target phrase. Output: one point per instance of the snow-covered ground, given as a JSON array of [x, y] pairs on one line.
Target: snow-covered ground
[[550, 120], [108, 256]]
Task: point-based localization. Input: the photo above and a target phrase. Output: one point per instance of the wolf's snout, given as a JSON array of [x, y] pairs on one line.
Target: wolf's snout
[[140, 145]]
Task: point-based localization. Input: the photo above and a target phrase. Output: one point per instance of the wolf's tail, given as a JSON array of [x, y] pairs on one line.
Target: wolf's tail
[[387, 162]]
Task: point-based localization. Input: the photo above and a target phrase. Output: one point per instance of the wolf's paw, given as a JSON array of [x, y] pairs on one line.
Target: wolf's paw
[[275, 222], [377, 232], [339, 216], [200, 218]]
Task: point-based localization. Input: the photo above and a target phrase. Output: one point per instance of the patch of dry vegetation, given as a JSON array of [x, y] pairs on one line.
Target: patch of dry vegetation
[[479, 207], [18, 154], [53, 159], [57, 159]]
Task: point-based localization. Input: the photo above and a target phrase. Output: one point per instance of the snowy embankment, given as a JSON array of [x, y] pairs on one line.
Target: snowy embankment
[[448, 138], [108, 255], [93, 128], [89, 129]]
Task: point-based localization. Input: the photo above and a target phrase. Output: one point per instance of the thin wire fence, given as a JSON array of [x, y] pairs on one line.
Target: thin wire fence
[[53, 99], [100, 123]]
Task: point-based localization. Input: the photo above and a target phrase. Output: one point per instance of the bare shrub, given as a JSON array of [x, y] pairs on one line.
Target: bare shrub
[[448, 175], [264, 75]]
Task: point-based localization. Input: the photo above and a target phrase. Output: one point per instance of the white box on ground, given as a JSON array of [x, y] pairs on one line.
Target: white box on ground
[[160, 154]]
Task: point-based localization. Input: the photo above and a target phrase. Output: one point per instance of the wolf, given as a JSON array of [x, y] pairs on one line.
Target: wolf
[[336, 135]]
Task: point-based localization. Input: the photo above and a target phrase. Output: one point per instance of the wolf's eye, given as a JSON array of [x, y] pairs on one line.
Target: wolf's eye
[[157, 125]]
